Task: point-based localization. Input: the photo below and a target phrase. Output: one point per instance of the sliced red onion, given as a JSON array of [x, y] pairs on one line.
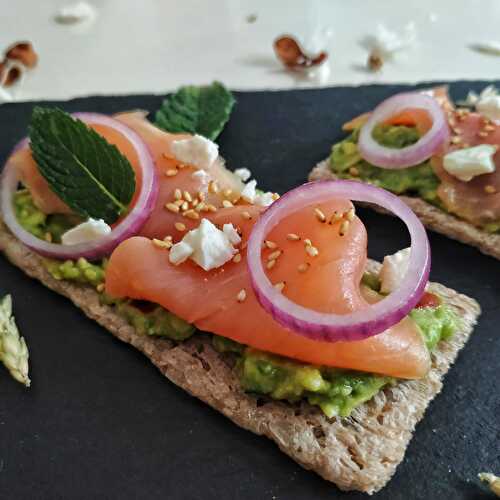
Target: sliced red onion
[[424, 148], [127, 227], [334, 327]]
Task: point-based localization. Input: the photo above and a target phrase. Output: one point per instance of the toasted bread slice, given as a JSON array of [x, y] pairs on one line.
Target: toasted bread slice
[[360, 452], [432, 217]]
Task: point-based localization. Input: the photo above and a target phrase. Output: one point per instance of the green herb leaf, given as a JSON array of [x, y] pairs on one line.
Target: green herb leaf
[[196, 110], [90, 175]]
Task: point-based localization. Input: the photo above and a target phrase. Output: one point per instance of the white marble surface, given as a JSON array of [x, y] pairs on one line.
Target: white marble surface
[[141, 46]]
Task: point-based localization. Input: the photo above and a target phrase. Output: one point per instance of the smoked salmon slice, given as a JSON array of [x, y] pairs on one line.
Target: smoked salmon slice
[[139, 270]]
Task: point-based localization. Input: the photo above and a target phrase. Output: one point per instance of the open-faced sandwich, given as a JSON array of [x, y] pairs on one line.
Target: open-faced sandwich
[[442, 160], [266, 308]]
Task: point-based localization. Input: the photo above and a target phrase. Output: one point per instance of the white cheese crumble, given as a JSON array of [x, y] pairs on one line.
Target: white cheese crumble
[[248, 192], [464, 164], [393, 270], [243, 173], [197, 151], [206, 245], [233, 236], [89, 230], [487, 102], [76, 13], [264, 199], [386, 43]]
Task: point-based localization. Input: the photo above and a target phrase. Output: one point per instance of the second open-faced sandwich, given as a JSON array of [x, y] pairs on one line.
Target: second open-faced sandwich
[[443, 161], [331, 355]]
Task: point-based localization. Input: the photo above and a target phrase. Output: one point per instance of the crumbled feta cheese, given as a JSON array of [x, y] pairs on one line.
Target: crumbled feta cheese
[[180, 252], [231, 233], [487, 102], [264, 199], [197, 151], [76, 13], [86, 231], [243, 173], [489, 107], [206, 245], [386, 43], [467, 163], [248, 193], [393, 270]]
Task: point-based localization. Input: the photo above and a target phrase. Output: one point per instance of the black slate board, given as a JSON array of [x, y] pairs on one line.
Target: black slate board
[[101, 422]]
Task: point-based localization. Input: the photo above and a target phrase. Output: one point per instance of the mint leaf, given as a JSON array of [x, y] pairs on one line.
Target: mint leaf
[[196, 110], [90, 175]]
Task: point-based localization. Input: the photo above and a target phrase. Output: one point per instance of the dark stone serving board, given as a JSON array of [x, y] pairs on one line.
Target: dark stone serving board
[[101, 422]]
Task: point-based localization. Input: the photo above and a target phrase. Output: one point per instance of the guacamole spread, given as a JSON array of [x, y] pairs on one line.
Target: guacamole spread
[[335, 391], [43, 226], [346, 162]]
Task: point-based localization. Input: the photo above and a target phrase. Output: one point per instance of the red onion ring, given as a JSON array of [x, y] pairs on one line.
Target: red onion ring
[[424, 148], [334, 327], [100, 247]]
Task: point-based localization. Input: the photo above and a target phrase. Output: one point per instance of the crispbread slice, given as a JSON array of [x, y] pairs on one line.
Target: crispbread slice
[[360, 452], [432, 217]]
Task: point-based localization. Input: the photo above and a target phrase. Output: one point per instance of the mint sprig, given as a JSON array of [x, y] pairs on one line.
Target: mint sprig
[[88, 173], [196, 110]]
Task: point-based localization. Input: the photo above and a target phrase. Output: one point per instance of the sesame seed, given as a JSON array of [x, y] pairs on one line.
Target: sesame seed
[[350, 214], [181, 165], [179, 203], [227, 204], [482, 134], [274, 255], [211, 208], [457, 130], [489, 128], [161, 243], [195, 202], [335, 217], [178, 194], [242, 295], [456, 139], [236, 199], [307, 242], [200, 207], [168, 238], [180, 226], [191, 214], [279, 286], [171, 172], [246, 215], [184, 206], [292, 237], [100, 287], [201, 196], [48, 237], [172, 207], [270, 244], [344, 228], [187, 196], [490, 189], [312, 251], [354, 171], [302, 268], [271, 264], [320, 215], [228, 192], [237, 258], [213, 187]]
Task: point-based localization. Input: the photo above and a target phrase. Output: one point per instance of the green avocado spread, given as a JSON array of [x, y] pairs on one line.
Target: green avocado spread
[[420, 180], [41, 225], [335, 391]]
